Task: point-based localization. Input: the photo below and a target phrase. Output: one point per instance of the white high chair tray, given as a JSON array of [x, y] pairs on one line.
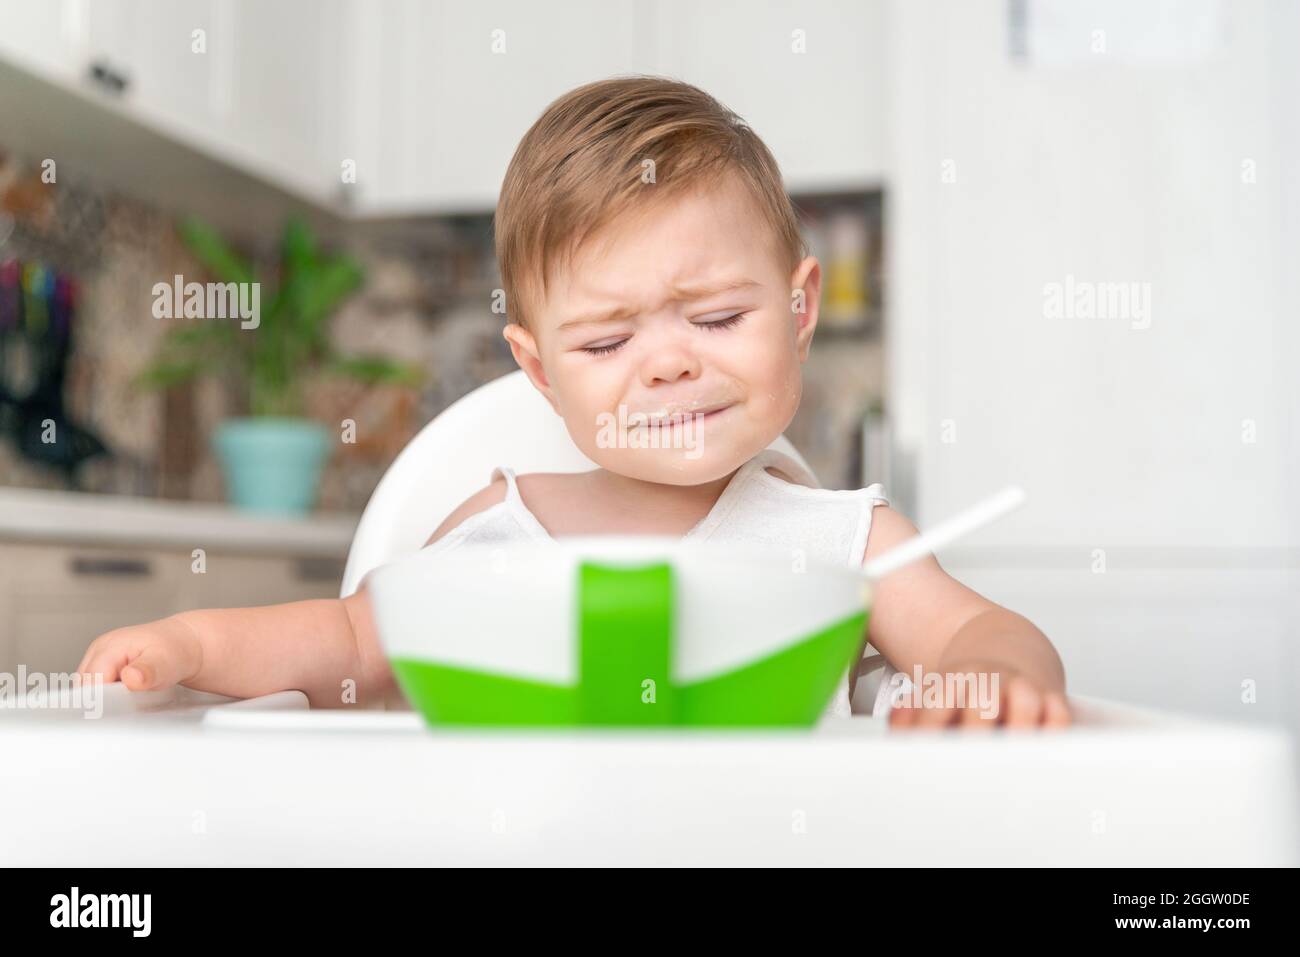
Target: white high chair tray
[[250, 786], [174, 704]]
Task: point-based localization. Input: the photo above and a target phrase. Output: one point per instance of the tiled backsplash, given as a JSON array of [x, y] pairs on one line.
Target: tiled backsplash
[[426, 300]]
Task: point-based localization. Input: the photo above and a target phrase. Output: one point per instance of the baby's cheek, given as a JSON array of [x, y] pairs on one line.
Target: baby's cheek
[[585, 417], [593, 432], [779, 392]]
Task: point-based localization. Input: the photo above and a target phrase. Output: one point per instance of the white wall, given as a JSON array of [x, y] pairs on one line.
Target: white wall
[[1130, 440]]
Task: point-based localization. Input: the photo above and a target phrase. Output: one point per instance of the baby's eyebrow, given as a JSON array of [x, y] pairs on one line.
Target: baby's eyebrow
[[704, 290], [698, 291], [608, 315]]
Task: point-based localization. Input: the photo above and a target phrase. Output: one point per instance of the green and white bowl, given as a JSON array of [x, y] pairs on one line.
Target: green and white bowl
[[619, 630]]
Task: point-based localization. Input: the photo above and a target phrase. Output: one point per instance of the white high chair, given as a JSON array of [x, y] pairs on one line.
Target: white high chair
[[506, 421]]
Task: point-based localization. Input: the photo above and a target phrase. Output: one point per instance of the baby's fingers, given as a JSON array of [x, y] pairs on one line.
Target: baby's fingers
[[151, 669], [1024, 704], [1056, 711], [923, 717], [105, 662], [976, 717], [936, 717]]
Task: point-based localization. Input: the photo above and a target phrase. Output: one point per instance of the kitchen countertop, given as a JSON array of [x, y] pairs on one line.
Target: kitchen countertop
[[39, 515]]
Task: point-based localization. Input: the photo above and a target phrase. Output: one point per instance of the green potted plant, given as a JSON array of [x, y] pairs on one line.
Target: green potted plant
[[272, 458]]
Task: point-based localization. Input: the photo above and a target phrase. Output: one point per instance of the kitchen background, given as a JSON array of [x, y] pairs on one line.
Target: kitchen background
[[953, 162]]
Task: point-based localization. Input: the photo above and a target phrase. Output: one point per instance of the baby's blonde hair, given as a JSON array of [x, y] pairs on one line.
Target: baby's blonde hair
[[583, 163]]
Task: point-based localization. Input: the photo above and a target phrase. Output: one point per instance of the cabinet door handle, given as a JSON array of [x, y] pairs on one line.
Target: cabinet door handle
[[110, 567], [108, 79], [318, 570]]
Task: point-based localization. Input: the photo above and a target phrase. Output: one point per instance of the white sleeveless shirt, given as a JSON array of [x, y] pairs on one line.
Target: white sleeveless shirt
[[756, 508]]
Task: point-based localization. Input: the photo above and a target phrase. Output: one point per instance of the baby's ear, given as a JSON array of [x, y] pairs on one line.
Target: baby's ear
[[805, 301], [522, 344], [524, 348]]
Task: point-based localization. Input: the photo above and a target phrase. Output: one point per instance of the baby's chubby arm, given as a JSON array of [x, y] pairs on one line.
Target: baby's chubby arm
[[311, 646], [922, 616]]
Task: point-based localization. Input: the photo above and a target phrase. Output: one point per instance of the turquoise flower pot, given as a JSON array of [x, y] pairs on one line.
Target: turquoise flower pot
[[270, 464]]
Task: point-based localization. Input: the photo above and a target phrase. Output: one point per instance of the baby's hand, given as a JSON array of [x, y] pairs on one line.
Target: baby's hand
[[145, 657], [1019, 702]]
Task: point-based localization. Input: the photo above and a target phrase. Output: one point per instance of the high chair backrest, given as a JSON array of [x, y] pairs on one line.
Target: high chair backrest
[[505, 422]]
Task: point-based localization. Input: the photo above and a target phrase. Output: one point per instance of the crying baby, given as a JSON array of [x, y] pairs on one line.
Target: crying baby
[[659, 296]]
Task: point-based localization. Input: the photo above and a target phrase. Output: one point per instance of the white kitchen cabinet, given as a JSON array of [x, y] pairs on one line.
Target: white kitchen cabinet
[[254, 83], [183, 60], [111, 33], [253, 86], [143, 52], [445, 90], [285, 86], [427, 99], [808, 75], [176, 61], [37, 36]]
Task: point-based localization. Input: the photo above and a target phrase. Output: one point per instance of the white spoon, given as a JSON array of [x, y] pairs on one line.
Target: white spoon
[[946, 532]]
